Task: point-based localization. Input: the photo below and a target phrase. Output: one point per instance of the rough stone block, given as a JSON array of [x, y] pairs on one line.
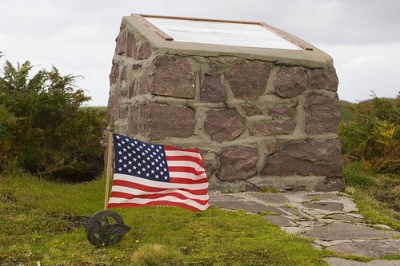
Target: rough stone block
[[324, 79], [306, 158], [282, 111], [133, 120], [248, 80], [114, 74], [159, 121], [212, 89], [290, 82], [120, 47], [172, 77], [273, 128], [123, 111], [145, 51], [238, 163], [112, 106], [131, 46], [323, 114], [224, 125]]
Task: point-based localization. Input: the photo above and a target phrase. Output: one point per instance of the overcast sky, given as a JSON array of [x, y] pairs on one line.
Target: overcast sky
[[78, 36]]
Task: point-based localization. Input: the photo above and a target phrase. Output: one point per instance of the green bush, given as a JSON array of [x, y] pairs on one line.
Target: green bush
[[43, 129], [373, 135]]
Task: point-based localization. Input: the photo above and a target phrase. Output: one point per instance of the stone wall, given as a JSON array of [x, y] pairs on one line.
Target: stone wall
[[258, 122]]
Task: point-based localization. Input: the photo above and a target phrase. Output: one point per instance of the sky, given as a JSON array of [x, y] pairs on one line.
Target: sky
[[78, 36]]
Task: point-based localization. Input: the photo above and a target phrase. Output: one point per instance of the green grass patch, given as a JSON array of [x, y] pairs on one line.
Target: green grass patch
[[40, 223], [377, 195]]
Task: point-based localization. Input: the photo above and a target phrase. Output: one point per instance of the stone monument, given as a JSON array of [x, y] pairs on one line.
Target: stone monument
[[260, 104]]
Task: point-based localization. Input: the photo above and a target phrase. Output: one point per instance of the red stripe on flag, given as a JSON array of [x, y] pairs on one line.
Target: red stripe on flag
[[155, 196], [154, 203]]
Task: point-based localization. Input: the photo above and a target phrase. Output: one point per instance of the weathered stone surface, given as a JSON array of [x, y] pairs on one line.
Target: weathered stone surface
[[123, 74], [124, 92], [324, 79], [374, 249], [279, 220], [145, 51], [131, 45], [248, 80], [173, 77], [123, 111], [271, 198], [323, 114], [159, 121], [251, 110], [306, 158], [224, 125], [338, 231], [330, 184], [112, 106], [273, 128], [290, 81], [132, 89], [252, 207], [282, 111], [114, 74], [327, 206], [212, 89], [271, 147], [120, 47], [133, 120], [146, 81], [238, 163]]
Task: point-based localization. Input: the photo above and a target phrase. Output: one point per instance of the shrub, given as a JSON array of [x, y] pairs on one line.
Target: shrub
[[373, 135], [44, 129]]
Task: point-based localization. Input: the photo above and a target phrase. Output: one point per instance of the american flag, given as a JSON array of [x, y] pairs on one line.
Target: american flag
[[147, 174]]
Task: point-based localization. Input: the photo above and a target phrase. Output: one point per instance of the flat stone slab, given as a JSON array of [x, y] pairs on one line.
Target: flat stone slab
[[326, 196], [297, 213], [337, 231], [279, 221], [252, 207], [326, 206], [270, 198], [223, 197], [348, 218], [373, 249], [343, 262]]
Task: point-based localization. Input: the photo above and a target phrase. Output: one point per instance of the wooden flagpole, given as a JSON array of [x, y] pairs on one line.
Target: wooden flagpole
[[110, 129]]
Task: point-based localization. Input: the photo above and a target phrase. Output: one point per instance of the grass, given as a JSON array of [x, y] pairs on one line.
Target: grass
[[40, 223], [376, 195]]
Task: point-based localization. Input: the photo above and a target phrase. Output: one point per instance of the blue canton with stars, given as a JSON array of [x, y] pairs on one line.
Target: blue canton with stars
[[140, 159]]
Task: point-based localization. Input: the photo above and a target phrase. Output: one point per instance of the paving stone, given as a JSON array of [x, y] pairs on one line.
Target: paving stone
[[297, 213], [320, 196], [221, 197], [251, 207], [327, 206], [279, 220], [343, 217], [374, 249], [270, 198], [343, 262], [336, 231]]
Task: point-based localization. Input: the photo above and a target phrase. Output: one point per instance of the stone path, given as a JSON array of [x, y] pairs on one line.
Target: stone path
[[329, 218]]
